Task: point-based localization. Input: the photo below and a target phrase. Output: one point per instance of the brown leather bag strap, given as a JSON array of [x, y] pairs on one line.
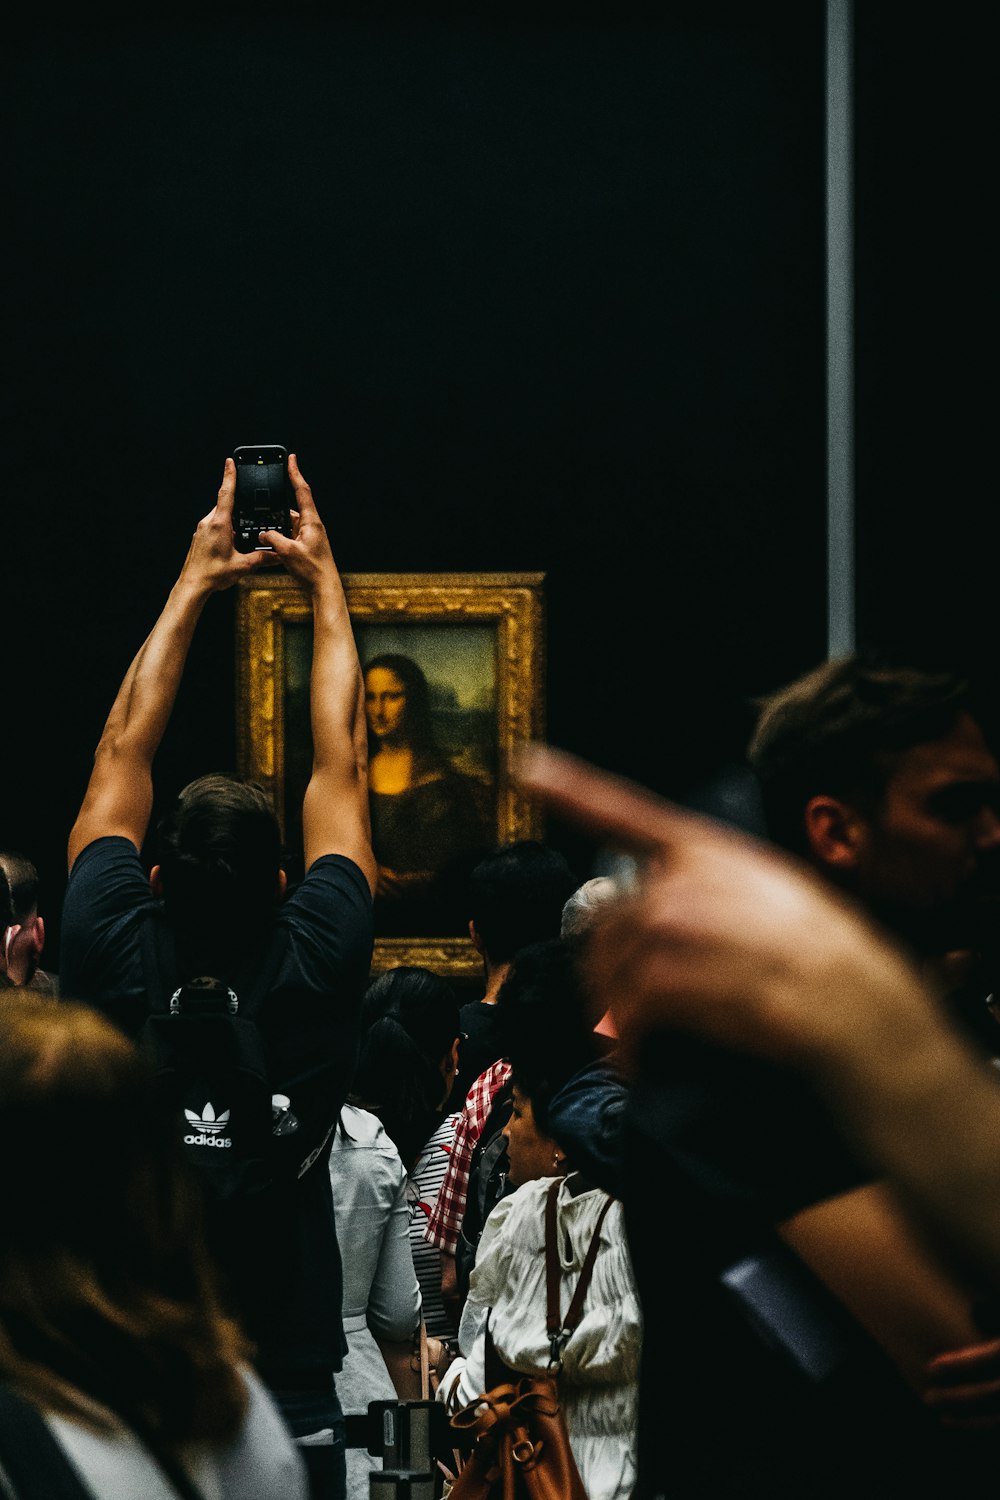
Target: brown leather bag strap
[[558, 1327], [553, 1313]]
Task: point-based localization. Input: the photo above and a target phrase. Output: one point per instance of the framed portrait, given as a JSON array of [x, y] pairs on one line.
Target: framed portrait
[[454, 670]]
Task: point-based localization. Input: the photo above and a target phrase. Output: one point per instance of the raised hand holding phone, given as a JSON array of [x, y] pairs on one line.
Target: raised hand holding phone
[[305, 547], [262, 495], [213, 561]]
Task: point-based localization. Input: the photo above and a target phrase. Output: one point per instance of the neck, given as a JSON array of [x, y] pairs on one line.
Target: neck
[[495, 976]]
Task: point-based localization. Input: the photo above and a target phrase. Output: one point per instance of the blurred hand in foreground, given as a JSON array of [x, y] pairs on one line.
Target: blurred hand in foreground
[[720, 934]]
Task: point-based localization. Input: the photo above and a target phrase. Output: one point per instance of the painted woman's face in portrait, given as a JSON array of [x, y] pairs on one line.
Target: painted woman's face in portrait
[[530, 1154], [385, 701]]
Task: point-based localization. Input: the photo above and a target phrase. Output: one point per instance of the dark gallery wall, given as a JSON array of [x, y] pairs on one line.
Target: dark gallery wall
[[535, 289], [926, 315]]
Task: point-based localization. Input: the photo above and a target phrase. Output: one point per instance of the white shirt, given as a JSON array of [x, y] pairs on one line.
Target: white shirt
[[261, 1460], [599, 1383]]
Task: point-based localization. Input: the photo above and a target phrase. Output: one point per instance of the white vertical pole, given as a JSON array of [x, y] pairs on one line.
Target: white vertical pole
[[840, 327]]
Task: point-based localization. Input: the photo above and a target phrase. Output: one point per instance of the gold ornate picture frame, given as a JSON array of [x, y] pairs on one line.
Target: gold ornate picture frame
[[471, 647]]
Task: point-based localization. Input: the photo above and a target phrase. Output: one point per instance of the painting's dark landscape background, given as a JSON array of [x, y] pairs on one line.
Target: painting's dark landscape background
[[526, 289]]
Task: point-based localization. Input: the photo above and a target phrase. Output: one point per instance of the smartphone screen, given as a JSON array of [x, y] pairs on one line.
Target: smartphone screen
[[262, 496]]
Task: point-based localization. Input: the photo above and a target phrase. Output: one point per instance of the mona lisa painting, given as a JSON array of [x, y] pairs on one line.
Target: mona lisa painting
[[453, 670]]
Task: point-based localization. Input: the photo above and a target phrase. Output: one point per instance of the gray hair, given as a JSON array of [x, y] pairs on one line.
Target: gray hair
[[578, 912]]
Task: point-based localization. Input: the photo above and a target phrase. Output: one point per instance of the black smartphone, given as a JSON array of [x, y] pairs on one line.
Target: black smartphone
[[263, 495]]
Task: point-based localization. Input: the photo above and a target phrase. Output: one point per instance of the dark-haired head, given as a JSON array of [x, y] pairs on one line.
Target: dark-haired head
[[19, 876], [220, 868], [516, 897], [883, 777], [546, 1028], [839, 730], [409, 1038], [24, 938]]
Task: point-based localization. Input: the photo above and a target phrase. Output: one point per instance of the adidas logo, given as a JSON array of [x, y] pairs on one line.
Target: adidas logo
[[210, 1122], [209, 1126]]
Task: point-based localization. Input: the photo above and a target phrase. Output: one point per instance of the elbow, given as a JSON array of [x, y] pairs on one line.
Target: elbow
[[394, 1329], [115, 749], [109, 747]]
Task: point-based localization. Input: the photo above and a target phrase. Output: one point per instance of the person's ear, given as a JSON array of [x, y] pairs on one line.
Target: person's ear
[[836, 831], [156, 881], [39, 935], [475, 939], [282, 885], [448, 1067]]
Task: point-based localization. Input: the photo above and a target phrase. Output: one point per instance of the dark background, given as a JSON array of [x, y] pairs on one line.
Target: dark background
[[525, 289]]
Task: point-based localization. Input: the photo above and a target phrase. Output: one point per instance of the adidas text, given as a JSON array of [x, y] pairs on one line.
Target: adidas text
[[207, 1140]]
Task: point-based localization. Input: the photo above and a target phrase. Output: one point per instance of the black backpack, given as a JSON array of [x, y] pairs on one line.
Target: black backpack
[[487, 1183], [239, 1128]]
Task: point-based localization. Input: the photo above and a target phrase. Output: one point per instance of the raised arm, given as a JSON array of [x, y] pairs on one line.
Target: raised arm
[[335, 816], [119, 796]]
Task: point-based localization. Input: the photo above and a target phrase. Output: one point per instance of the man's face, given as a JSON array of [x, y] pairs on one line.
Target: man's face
[[930, 862]]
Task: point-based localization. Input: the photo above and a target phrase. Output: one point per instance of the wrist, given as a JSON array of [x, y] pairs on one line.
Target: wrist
[[324, 586], [441, 1353], [192, 588]]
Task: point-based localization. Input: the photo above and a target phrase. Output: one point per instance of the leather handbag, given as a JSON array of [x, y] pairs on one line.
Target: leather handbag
[[521, 1447]]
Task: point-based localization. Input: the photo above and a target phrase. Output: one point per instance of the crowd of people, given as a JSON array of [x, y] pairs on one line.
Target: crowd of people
[[751, 1087]]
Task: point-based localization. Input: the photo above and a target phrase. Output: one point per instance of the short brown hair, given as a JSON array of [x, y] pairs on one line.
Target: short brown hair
[[839, 728], [220, 854]]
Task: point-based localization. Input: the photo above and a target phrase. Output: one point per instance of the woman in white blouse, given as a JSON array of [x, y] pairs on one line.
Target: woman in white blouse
[[548, 1038]]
